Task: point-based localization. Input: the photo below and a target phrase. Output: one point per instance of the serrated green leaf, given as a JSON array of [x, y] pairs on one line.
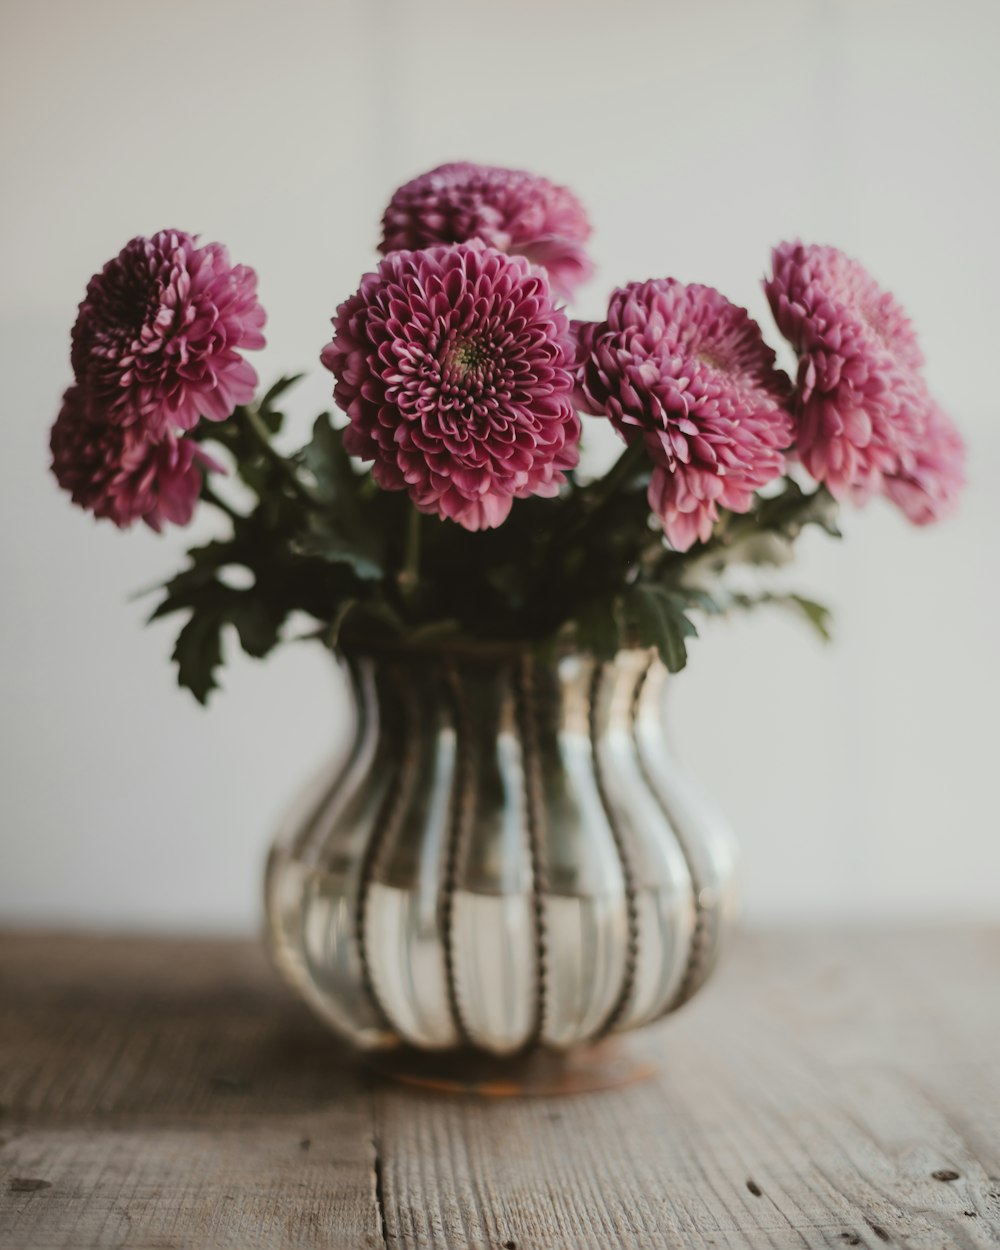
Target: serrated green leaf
[[183, 590], [198, 650], [323, 541], [257, 623], [655, 617], [198, 653]]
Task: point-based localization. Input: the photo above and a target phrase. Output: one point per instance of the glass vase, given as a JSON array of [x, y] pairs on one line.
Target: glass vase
[[508, 858]]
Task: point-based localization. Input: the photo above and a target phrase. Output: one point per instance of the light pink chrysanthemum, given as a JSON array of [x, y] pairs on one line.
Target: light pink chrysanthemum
[[159, 334], [454, 367], [507, 209], [862, 403], [686, 370], [115, 471], [927, 484]]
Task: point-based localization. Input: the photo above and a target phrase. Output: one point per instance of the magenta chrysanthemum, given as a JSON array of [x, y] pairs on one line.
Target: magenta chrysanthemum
[[159, 334], [115, 471], [454, 367], [862, 403], [507, 209], [928, 482], [686, 370]]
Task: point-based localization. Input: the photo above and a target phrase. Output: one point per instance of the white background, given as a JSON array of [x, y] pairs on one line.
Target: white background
[[861, 777]]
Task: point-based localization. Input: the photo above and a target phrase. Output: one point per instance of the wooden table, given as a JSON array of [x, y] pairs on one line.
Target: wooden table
[[827, 1090]]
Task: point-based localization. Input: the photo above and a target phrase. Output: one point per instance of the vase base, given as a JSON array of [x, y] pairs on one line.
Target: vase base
[[539, 1073]]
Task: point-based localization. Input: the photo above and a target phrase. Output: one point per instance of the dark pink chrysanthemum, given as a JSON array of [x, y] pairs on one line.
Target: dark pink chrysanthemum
[[862, 403], [688, 371], [927, 483], [454, 367], [159, 334], [507, 209], [115, 471]]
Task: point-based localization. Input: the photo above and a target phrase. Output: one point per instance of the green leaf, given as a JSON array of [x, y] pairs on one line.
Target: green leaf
[[793, 509], [246, 436], [278, 389], [325, 458], [343, 533], [273, 418], [184, 589], [198, 653], [816, 614], [258, 623], [360, 553], [655, 617]]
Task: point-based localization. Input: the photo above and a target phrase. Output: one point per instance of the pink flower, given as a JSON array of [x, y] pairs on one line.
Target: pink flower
[[507, 209], [862, 403], [688, 372], [454, 367], [115, 471], [927, 485], [158, 335]]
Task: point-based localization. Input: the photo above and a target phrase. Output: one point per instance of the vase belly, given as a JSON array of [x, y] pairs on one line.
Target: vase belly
[[508, 857]]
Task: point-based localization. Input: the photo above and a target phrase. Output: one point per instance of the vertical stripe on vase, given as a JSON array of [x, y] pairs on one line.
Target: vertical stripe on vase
[[461, 815], [694, 971], [598, 680], [391, 813], [534, 814]]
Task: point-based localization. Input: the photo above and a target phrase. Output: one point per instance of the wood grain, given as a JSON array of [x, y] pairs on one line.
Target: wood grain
[[825, 1091]]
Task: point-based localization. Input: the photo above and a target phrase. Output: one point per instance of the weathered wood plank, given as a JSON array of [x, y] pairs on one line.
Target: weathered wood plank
[[154, 1028], [249, 1185], [828, 1091], [171, 1094], [817, 1096]]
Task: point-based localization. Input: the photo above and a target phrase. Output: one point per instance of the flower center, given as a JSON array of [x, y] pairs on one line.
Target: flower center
[[464, 357], [714, 360]]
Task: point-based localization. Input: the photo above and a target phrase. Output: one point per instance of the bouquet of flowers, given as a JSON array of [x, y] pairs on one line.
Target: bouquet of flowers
[[443, 498]]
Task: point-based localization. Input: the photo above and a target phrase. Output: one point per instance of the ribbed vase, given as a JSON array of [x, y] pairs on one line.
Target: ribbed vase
[[508, 857]]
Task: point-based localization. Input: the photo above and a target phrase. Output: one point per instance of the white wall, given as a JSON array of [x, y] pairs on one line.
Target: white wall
[[861, 777]]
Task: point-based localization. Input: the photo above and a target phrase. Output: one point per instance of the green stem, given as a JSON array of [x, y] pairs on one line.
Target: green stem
[[262, 438], [592, 499], [631, 459], [578, 516]]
